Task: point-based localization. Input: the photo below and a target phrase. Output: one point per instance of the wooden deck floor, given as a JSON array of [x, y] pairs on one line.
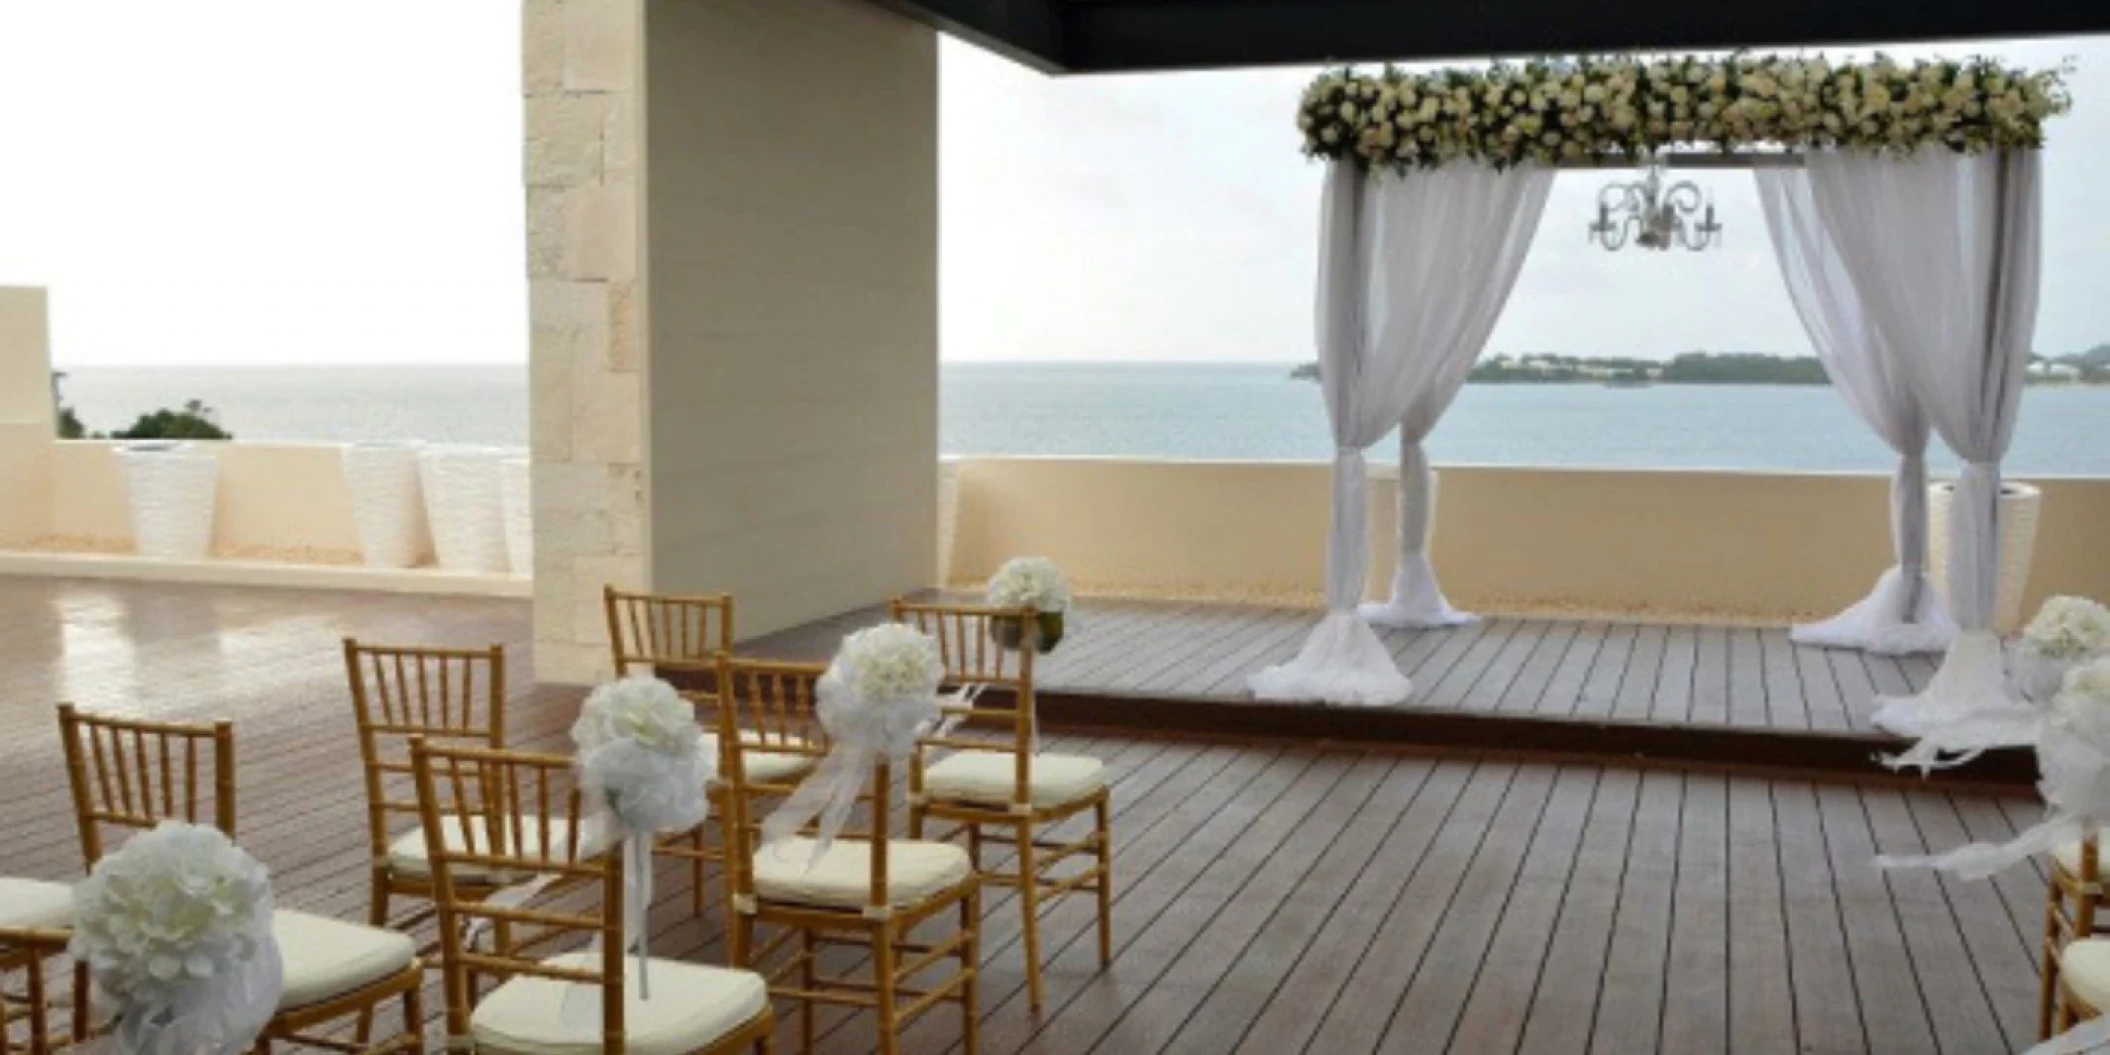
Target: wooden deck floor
[[1271, 898], [1740, 677]]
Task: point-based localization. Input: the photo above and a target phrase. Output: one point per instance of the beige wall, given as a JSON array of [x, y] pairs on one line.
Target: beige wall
[[26, 416], [278, 501], [791, 249], [1763, 545]]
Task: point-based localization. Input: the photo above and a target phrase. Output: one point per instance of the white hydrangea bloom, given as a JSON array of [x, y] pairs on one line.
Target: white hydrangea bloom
[[2068, 628], [1035, 582], [644, 709], [176, 906], [890, 661]]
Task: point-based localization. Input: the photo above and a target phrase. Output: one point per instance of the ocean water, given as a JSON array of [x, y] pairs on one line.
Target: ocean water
[[1226, 411]]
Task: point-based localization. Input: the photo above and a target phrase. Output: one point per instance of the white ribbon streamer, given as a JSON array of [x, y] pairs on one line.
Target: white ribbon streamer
[[221, 1015], [860, 733]]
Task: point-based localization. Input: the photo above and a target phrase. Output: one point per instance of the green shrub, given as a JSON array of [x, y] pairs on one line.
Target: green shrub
[[193, 422]]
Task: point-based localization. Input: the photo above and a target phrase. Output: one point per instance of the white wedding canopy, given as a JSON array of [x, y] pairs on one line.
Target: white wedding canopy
[[1902, 614], [1943, 253], [1413, 273]]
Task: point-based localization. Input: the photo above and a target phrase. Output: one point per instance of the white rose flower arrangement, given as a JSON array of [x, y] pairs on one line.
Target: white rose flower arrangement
[[2065, 632], [1029, 582], [1548, 111], [879, 695], [175, 928], [639, 746]]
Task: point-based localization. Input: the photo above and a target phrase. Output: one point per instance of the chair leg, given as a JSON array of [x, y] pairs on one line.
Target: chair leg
[[1103, 815], [970, 969], [1029, 903], [883, 989], [2048, 976], [915, 821], [414, 1017], [809, 978], [739, 939], [974, 846], [697, 842], [377, 900]]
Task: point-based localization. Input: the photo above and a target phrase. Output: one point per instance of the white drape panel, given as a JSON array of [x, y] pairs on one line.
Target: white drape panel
[[1462, 235], [1946, 266], [1902, 614], [1413, 271]]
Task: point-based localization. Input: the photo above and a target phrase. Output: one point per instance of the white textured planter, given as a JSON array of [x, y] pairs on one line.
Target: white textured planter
[[516, 482], [464, 506], [170, 486], [2019, 503], [388, 503]]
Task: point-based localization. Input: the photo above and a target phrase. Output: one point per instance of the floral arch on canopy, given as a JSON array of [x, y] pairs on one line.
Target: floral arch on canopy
[[1903, 201]]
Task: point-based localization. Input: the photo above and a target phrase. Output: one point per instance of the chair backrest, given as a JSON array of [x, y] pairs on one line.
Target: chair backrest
[[25, 1023], [969, 643], [768, 706], [663, 633], [133, 774], [444, 695], [517, 813]]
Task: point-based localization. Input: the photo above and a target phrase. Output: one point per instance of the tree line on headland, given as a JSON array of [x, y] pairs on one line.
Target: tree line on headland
[[1719, 368]]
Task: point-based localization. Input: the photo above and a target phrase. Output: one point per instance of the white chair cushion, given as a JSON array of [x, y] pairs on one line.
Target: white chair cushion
[[990, 777], [842, 878], [692, 1006], [2085, 969], [406, 855], [767, 767], [35, 903], [328, 958]]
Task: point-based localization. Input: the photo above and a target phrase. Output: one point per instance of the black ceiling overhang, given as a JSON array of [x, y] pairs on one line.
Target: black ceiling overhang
[[1111, 36]]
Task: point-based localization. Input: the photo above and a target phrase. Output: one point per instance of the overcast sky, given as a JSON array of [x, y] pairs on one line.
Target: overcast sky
[[265, 182]]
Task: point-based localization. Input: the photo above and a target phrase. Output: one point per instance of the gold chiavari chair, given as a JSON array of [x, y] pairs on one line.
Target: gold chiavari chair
[[518, 813], [132, 775], [2073, 898], [25, 1020], [1002, 782], [444, 695], [679, 638], [867, 890]]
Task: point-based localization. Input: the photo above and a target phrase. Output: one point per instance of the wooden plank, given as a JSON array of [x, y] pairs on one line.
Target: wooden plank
[[1673, 693], [1787, 705], [1257, 623], [1563, 1007], [1710, 676], [1501, 993], [1223, 930], [1354, 1016], [1956, 1000], [1228, 676], [1235, 842], [1695, 997], [1422, 1018], [1449, 690], [1601, 685], [1761, 996], [1503, 666], [1747, 680], [1630, 1005], [1637, 687], [1820, 691], [1255, 973], [1566, 685], [1194, 637], [2005, 961], [1523, 694], [1827, 1016], [1288, 1017], [1893, 1013]]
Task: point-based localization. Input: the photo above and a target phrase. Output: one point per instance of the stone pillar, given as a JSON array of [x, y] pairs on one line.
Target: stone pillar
[[582, 75]]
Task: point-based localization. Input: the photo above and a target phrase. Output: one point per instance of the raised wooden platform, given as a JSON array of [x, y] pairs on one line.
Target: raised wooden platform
[[1713, 695], [1272, 897]]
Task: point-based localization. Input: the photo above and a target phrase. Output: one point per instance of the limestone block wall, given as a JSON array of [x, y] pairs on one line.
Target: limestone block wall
[[582, 72], [792, 206]]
